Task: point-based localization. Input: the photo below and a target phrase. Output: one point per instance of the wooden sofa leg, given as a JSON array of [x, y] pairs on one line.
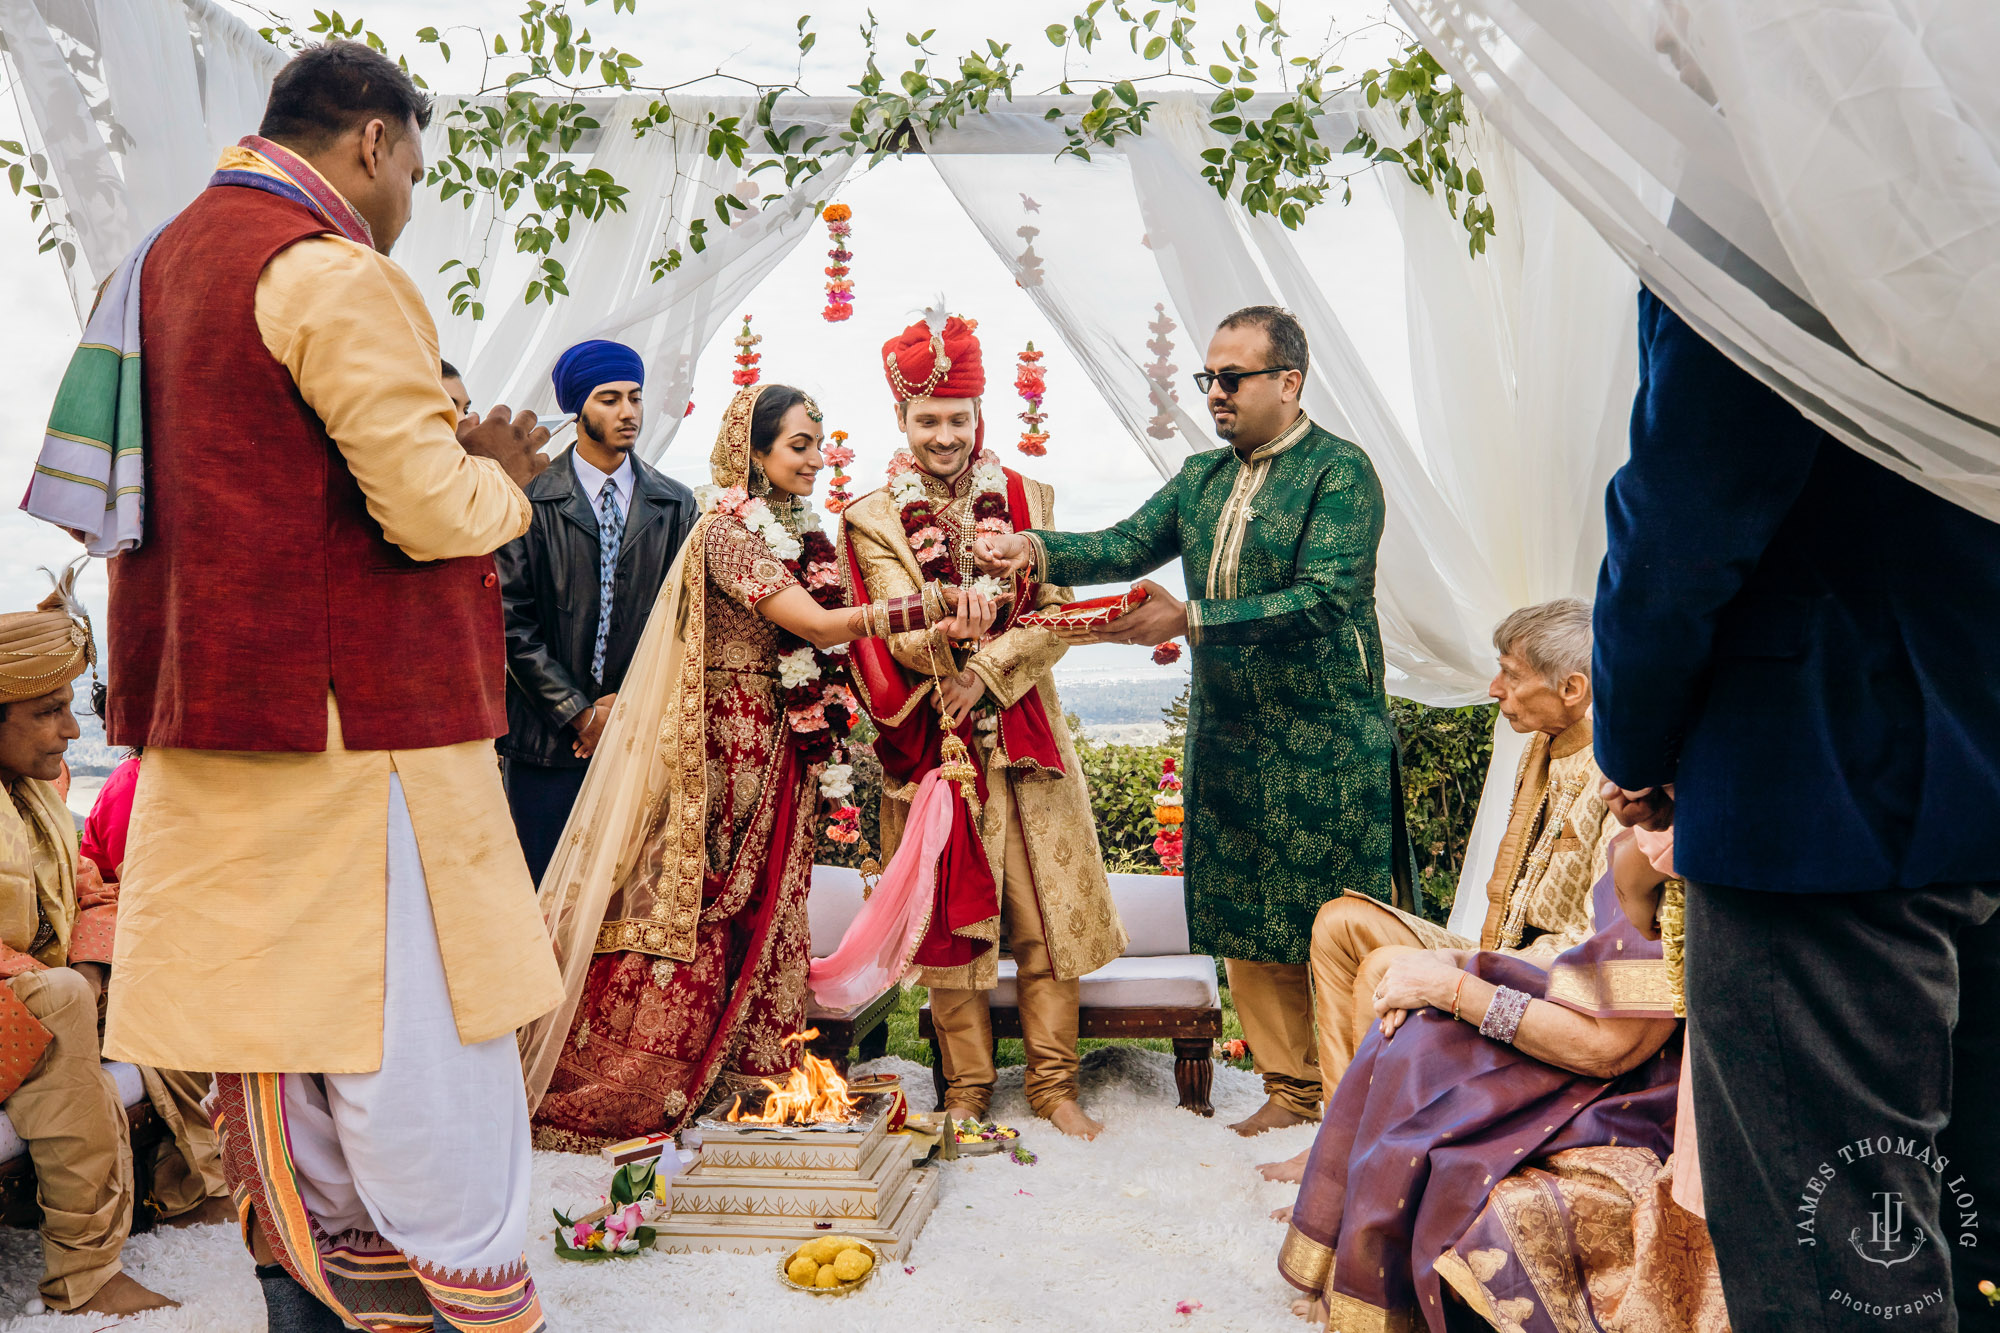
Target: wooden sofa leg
[[1194, 1072], [874, 1043]]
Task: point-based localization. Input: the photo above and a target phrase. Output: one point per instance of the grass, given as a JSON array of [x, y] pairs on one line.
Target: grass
[[904, 1041]]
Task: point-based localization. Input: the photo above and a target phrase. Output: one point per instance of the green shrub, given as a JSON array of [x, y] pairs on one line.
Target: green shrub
[[1445, 753]]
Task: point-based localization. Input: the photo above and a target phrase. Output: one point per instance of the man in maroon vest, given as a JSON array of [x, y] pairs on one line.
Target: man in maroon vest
[[323, 899]]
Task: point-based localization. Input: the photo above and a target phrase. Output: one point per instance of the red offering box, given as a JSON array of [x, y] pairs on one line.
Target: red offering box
[[1093, 614]]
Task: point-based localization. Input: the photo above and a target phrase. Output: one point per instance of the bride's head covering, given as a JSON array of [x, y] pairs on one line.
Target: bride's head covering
[[729, 461]]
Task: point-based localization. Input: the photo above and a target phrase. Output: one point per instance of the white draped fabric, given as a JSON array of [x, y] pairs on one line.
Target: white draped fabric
[[1815, 187], [132, 101]]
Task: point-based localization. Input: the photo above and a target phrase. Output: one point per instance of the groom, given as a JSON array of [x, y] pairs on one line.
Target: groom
[[1035, 843]]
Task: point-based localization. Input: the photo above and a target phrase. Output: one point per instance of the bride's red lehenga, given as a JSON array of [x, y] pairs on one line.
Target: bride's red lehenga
[[652, 1036]]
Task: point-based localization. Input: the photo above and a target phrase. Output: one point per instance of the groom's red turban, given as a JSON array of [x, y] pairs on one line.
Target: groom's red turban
[[923, 364]]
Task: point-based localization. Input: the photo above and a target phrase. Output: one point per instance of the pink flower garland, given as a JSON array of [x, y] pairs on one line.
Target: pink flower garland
[[839, 453], [746, 373], [1031, 383], [1168, 812], [839, 287]]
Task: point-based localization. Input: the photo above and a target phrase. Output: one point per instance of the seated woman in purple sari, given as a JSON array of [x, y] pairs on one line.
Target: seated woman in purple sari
[[1503, 1132]]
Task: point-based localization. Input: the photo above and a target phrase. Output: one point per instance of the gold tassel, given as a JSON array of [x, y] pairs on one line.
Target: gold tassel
[[955, 765], [1673, 940]]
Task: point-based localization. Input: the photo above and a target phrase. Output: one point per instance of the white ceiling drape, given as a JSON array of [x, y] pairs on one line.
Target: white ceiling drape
[[1815, 187]]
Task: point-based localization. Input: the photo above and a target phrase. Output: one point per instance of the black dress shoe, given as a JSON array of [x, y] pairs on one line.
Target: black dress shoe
[[290, 1308]]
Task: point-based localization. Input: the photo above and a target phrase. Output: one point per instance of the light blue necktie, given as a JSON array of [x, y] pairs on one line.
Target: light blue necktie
[[610, 534]]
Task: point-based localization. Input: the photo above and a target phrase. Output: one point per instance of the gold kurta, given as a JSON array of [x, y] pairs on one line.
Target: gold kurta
[[1083, 929], [253, 912], [1558, 836]]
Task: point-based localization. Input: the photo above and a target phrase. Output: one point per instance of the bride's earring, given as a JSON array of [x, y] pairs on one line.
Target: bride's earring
[[759, 483]]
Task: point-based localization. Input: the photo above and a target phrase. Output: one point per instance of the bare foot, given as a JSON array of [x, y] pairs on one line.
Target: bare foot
[[958, 1113], [217, 1208], [1288, 1172], [123, 1296], [1071, 1120], [1270, 1116], [1282, 1214], [1312, 1310]]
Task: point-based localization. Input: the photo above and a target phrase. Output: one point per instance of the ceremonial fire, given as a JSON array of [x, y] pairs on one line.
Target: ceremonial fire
[[814, 1094]]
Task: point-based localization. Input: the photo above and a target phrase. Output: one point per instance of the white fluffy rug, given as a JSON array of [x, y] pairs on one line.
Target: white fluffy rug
[[1165, 1208]]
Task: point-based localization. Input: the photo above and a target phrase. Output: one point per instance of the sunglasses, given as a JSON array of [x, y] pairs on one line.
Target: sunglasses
[[1229, 379]]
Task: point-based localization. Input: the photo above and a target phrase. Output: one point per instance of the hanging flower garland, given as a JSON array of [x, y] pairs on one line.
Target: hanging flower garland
[[1168, 812], [839, 454], [1031, 384], [920, 519], [747, 358], [839, 287], [819, 702], [1168, 653]]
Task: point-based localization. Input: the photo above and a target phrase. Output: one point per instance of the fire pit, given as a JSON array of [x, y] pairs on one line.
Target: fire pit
[[812, 1158]]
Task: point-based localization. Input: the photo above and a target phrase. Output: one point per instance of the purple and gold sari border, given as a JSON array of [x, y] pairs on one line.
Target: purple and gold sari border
[[1304, 1262], [1349, 1315], [1619, 987]]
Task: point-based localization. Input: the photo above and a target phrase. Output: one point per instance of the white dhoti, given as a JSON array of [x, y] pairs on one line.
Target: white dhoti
[[419, 1169]]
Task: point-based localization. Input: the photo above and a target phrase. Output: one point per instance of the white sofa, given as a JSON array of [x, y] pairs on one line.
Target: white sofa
[[1156, 989]]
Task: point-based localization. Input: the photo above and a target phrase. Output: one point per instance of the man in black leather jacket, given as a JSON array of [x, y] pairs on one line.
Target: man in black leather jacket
[[567, 650]]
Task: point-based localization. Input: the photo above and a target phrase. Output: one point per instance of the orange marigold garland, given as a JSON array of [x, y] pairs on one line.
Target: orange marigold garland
[[839, 287], [746, 356], [1031, 383], [1168, 812], [839, 453]]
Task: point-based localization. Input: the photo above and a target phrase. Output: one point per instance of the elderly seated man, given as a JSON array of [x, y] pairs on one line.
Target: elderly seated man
[[56, 918], [1505, 1139], [1538, 899]]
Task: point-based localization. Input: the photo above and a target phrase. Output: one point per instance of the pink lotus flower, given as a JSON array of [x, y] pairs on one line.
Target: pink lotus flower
[[618, 1228]]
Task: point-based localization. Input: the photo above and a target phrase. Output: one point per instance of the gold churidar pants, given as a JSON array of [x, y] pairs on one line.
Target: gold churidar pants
[[188, 1170], [1345, 932], [1048, 1007], [69, 1115], [1274, 1004]]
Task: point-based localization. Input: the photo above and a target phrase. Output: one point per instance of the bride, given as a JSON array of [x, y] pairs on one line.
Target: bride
[[677, 897]]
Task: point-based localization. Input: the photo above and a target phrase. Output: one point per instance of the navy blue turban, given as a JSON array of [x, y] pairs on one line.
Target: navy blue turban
[[585, 366]]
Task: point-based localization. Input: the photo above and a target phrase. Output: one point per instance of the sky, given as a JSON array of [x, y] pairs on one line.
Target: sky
[[911, 242]]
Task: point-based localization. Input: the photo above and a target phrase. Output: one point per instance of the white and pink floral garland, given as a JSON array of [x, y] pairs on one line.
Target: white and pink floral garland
[[990, 514], [809, 678]]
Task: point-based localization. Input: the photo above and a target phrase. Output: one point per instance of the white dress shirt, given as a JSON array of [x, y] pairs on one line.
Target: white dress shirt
[[593, 480]]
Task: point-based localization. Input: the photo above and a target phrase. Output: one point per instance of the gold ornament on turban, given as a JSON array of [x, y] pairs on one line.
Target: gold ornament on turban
[[45, 649]]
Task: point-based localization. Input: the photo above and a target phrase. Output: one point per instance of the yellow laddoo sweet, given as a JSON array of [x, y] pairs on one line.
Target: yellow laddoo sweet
[[802, 1269], [827, 1277], [852, 1264], [823, 1249]]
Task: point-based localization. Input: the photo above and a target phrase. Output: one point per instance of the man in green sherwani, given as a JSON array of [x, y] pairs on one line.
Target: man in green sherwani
[[1288, 739]]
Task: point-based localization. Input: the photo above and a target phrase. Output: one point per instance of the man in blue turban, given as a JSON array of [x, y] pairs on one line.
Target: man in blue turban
[[576, 588]]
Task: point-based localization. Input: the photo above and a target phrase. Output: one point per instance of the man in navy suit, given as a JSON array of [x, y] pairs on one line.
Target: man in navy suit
[[1798, 663]]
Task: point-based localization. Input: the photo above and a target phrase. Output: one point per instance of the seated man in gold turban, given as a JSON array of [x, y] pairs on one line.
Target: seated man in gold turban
[[54, 961]]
